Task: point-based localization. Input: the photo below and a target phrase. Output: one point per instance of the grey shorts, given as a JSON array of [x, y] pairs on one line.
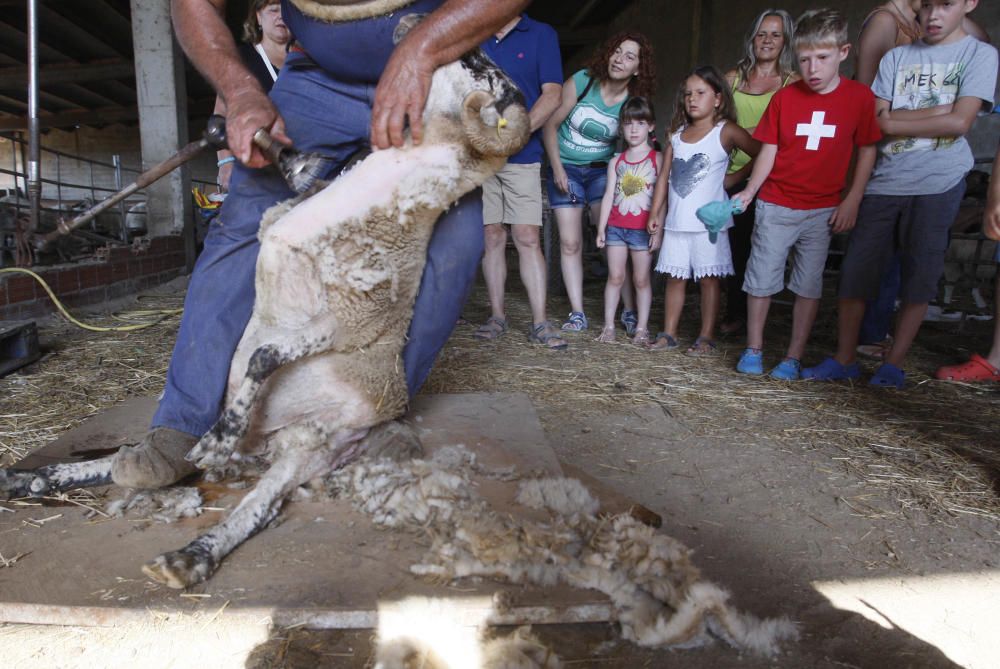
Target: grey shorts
[[514, 195], [779, 230], [915, 225]]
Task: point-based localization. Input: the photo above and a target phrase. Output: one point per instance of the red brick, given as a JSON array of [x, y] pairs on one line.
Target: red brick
[[104, 273], [119, 272], [67, 281], [20, 289], [89, 277]]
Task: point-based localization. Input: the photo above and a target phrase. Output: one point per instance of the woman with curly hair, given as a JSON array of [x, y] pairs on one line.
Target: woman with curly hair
[[580, 138]]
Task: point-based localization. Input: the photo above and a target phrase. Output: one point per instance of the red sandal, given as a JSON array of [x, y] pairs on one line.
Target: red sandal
[[977, 368]]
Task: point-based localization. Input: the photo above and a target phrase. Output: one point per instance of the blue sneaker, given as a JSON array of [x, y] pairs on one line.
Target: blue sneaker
[[751, 362], [630, 320], [787, 370], [831, 370], [576, 322]]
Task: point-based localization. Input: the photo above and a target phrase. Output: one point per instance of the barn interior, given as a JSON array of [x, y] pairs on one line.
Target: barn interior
[[871, 519]]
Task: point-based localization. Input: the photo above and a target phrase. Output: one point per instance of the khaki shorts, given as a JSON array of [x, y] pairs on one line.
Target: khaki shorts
[[514, 195]]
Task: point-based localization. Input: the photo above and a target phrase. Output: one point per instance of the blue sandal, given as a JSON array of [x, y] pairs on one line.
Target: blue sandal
[[888, 376], [576, 322], [831, 370], [630, 320]]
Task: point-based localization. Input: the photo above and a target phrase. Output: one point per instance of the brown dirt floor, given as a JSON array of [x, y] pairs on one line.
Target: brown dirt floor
[[776, 486]]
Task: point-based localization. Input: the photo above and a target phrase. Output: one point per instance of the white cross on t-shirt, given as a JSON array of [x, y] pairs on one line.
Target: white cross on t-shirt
[[815, 130]]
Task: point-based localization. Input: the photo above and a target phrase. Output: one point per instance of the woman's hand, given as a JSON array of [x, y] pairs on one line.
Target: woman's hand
[[559, 178]]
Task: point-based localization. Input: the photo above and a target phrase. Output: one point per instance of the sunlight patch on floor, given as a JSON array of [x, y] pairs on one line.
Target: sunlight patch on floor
[[957, 613]]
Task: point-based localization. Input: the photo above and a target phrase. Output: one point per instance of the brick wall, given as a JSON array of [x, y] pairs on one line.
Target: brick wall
[[122, 271]]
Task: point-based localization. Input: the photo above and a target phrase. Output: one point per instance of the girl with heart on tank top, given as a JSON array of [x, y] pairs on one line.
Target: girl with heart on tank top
[[704, 133]]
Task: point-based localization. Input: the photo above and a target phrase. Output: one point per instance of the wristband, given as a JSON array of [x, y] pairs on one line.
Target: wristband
[[226, 160]]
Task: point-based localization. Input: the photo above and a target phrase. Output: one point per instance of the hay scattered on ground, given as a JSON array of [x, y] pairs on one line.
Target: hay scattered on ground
[[80, 374], [932, 447]]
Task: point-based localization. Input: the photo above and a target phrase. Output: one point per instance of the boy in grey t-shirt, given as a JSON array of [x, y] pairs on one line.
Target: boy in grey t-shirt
[[928, 94]]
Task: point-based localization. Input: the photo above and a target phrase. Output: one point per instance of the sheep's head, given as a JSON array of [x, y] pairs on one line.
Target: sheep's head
[[493, 127]]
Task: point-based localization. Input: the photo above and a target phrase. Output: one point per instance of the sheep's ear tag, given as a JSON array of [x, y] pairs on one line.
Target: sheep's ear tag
[[502, 123]]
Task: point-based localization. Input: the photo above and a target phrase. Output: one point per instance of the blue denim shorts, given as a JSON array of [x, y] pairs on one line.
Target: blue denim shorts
[[586, 186], [635, 240]]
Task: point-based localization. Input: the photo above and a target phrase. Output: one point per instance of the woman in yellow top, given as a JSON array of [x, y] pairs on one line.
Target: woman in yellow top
[[764, 69]]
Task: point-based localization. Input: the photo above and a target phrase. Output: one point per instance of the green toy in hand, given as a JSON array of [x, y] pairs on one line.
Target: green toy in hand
[[715, 215]]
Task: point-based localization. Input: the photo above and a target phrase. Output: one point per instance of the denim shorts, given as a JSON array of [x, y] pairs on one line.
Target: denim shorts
[[586, 186], [635, 240]]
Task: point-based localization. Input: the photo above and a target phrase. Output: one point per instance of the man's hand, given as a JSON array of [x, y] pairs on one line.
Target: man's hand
[[844, 216], [247, 111], [400, 96]]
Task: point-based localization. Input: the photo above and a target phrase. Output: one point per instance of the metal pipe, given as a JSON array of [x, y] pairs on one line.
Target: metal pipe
[[34, 151]]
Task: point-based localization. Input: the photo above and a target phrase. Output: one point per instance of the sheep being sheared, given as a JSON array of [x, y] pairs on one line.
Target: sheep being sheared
[[337, 276]]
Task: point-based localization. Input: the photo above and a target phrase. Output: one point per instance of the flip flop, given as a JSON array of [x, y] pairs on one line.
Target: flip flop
[[492, 329]]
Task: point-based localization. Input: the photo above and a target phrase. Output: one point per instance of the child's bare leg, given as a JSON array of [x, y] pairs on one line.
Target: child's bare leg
[[676, 289], [803, 316], [850, 313], [911, 316], [641, 265], [710, 292], [617, 263], [757, 308], [628, 293]]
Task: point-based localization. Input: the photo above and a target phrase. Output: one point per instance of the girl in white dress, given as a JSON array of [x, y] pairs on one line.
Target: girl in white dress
[[703, 133]]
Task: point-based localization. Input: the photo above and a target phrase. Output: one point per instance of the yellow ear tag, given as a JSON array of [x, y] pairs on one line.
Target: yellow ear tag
[[502, 123]]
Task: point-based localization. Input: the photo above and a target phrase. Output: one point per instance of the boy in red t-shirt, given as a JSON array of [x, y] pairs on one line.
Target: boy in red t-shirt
[[808, 133]]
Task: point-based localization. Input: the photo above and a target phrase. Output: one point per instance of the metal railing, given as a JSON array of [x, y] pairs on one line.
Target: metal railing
[[72, 189]]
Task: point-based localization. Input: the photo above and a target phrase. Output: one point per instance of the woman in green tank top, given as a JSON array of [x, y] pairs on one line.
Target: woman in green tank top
[[580, 137], [765, 68]]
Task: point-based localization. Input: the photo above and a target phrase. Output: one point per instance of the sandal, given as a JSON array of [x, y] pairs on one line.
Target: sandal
[[607, 335], [976, 368], [576, 322], [641, 337], [547, 335], [492, 329], [702, 347], [877, 351], [630, 320], [888, 376], [663, 342]]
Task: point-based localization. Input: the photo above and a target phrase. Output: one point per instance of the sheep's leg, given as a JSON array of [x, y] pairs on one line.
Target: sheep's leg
[[218, 444], [54, 478], [301, 458]]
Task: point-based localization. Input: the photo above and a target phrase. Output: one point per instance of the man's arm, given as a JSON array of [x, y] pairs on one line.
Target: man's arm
[[953, 124], [546, 103], [202, 33], [448, 32]]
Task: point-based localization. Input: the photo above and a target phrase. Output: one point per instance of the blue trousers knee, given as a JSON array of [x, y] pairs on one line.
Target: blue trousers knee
[[221, 291]]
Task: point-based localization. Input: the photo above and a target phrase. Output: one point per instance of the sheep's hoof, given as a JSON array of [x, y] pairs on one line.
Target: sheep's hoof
[[206, 456], [181, 569], [22, 483]]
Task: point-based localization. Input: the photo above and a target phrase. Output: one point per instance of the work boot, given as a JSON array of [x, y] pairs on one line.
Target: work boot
[[394, 439], [156, 461]]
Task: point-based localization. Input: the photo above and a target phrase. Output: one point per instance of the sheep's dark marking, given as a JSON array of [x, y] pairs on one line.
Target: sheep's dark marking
[[264, 361], [54, 478]]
